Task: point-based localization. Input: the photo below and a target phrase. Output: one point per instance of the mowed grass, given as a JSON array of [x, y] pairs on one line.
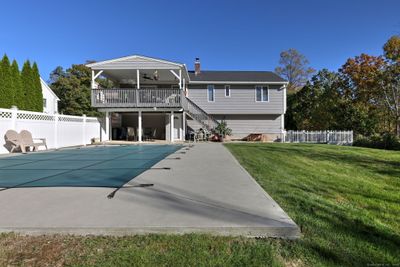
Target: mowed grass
[[346, 200], [142, 250]]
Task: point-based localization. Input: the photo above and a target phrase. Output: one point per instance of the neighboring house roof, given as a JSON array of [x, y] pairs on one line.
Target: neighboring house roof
[[236, 76], [46, 87]]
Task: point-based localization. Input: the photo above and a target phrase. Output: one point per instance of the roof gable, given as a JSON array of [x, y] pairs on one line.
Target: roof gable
[[135, 62], [45, 86]]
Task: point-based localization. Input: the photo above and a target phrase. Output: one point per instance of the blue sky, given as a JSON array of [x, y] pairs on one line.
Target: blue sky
[[226, 35]]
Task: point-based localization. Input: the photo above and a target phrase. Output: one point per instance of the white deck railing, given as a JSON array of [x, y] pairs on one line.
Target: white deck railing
[[323, 137], [130, 97]]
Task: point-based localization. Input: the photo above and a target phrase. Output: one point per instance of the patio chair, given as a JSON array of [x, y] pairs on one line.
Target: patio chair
[[154, 134], [147, 134], [27, 140], [14, 141], [130, 136]]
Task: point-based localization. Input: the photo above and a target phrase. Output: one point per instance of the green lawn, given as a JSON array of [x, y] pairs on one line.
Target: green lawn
[[346, 201]]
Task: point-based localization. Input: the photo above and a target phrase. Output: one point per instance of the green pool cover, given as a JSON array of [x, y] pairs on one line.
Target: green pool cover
[[102, 166]]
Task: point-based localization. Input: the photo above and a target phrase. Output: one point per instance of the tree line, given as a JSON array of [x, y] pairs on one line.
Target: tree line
[[20, 88], [363, 95]]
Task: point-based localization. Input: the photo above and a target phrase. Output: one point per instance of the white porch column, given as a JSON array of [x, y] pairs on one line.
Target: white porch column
[[180, 79], [138, 79], [171, 123], [140, 126], [94, 77], [183, 136], [92, 83], [108, 126]]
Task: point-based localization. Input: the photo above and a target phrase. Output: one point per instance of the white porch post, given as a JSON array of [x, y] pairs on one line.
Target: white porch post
[[94, 77], [183, 136], [108, 126], [171, 123], [140, 126], [180, 79], [138, 79]]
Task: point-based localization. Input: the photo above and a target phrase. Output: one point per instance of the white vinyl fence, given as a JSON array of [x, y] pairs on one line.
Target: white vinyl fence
[[59, 130], [323, 137]]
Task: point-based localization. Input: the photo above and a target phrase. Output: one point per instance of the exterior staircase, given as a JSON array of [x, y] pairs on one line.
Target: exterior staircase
[[198, 114]]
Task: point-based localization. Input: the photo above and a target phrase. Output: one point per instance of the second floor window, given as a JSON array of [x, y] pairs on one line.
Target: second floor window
[[262, 93], [44, 103], [210, 93], [227, 90]]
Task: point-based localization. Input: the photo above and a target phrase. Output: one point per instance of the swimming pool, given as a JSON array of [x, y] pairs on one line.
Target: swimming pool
[[100, 166]]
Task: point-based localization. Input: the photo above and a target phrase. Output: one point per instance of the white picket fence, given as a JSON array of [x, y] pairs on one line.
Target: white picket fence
[[59, 130], [323, 137]]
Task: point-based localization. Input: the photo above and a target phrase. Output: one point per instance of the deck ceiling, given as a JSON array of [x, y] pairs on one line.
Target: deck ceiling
[[129, 76]]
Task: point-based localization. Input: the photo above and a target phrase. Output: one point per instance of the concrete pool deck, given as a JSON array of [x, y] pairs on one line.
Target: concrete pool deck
[[206, 191]]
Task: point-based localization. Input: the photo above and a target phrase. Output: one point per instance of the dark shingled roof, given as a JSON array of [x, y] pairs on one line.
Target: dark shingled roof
[[236, 76]]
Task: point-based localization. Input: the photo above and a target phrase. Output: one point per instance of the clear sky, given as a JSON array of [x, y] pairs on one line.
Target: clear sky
[[226, 35]]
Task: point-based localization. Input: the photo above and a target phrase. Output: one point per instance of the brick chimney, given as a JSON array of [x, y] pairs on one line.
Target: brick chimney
[[197, 66]]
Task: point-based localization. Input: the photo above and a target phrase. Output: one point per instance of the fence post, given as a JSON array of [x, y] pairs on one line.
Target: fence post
[[14, 111], [56, 130], [84, 130], [327, 137]]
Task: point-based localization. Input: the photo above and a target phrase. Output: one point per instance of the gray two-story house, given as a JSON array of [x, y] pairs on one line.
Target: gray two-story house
[[159, 99]]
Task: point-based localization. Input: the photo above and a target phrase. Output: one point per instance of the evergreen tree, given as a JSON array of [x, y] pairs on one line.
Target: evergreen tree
[[17, 85], [26, 77], [37, 89], [6, 85]]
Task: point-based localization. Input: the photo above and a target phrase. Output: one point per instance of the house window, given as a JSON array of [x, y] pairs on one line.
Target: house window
[[227, 90], [262, 93], [210, 93], [44, 103]]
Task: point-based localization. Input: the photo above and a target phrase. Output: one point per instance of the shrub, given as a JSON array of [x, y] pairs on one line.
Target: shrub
[[385, 141], [222, 129]]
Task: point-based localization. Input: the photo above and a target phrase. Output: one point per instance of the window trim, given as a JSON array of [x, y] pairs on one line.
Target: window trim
[[225, 87], [262, 94], [208, 93]]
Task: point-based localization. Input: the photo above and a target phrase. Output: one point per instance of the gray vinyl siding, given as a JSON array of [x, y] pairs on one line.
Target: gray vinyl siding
[[243, 125], [241, 101]]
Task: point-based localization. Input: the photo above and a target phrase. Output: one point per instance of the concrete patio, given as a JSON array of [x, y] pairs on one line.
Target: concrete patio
[[206, 190]]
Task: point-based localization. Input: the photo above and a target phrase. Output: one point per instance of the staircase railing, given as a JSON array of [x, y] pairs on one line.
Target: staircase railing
[[198, 114]]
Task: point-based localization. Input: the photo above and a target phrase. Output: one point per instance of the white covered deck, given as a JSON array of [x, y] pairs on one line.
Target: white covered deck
[[146, 101]]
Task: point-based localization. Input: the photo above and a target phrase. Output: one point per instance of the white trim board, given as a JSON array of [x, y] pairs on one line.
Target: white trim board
[[131, 57], [235, 82]]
